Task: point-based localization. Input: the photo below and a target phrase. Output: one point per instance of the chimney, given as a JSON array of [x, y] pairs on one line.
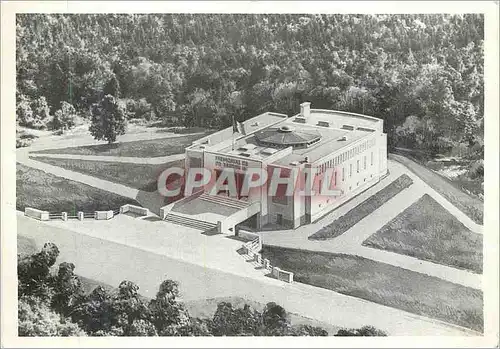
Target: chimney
[[305, 109]]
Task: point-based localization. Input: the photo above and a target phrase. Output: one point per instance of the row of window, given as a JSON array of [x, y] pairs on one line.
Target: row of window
[[358, 167], [347, 155]]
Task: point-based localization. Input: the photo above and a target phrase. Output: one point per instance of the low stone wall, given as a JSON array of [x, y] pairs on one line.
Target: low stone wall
[[103, 215], [282, 275], [134, 209], [99, 215], [37, 214], [247, 235]]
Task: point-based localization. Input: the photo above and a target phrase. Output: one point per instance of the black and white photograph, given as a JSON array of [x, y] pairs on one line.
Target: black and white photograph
[[250, 169]]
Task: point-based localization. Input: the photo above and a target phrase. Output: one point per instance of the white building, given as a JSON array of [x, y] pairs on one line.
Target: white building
[[353, 145]]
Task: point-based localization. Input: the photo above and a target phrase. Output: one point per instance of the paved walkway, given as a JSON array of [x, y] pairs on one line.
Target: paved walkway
[[81, 137], [127, 159], [150, 262], [350, 242]]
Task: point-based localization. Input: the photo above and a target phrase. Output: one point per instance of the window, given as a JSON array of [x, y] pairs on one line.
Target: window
[[357, 166], [371, 159], [350, 170], [343, 174], [364, 162], [335, 178]]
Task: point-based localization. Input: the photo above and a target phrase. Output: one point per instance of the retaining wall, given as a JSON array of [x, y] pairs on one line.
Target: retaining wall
[[134, 209], [103, 215], [37, 214]]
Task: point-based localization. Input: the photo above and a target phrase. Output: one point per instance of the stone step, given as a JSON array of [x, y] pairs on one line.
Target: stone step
[[189, 222], [224, 200]]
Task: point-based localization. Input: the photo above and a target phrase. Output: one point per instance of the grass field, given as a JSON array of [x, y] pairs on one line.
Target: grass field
[[44, 191], [26, 246], [139, 176], [384, 284], [145, 148], [351, 218], [469, 205], [426, 230]]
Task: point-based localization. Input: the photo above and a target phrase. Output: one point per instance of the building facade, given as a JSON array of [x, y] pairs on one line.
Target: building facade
[[350, 148]]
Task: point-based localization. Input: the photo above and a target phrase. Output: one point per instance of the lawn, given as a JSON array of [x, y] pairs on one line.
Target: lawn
[[144, 148], [469, 205], [426, 230], [139, 176], [26, 246], [384, 284], [351, 218], [44, 191]]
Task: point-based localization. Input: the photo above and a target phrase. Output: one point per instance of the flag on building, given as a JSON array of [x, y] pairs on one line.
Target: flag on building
[[238, 127]]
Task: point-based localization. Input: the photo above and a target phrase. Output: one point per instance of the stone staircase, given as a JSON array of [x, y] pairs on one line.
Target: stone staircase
[[189, 222], [225, 201]]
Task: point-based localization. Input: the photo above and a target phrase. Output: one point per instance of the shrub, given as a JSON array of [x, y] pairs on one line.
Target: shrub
[[64, 118], [41, 114]]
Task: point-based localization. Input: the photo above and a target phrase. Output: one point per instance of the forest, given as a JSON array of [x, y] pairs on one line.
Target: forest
[[422, 74]]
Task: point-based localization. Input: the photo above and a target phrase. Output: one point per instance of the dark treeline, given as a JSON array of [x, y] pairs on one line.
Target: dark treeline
[[423, 74]]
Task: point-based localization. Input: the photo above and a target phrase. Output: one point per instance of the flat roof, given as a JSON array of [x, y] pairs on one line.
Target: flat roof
[[250, 126], [330, 142], [337, 130]]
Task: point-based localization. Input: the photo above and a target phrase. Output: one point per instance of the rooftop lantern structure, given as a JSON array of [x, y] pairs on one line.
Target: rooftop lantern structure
[[286, 136]]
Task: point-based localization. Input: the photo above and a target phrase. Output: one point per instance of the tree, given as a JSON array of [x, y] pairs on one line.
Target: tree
[[108, 120], [32, 113], [33, 272], [95, 313], [131, 311], [112, 87], [308, 330], [64, 118], [366, 331], [41, 112], [276, 320], [36, 319], [168, 315], [24, 114], [68, 290], [228, 321]]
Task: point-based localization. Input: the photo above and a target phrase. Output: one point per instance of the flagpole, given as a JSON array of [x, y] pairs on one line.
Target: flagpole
[[234, 126]]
